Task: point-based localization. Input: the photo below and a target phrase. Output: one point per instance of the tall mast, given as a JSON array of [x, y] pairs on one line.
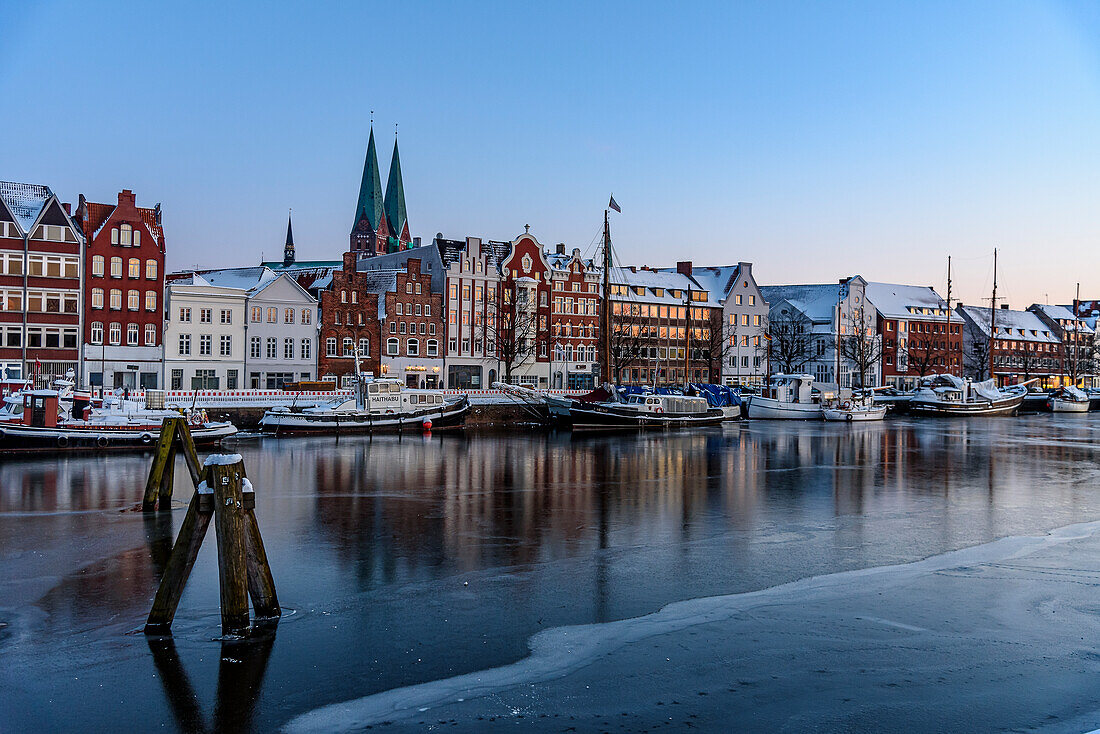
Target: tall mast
[[993, 316], [687, 338], [949, 365], [605, 310]]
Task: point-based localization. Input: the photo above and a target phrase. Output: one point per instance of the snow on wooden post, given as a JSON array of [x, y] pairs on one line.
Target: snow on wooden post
[[226, 495]]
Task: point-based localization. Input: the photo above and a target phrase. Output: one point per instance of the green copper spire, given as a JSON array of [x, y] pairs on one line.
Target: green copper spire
[[395, 198], [370, 190]]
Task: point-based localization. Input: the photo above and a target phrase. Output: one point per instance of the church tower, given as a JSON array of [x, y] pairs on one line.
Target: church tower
[[369, 231], [396, 217], [288, 250]]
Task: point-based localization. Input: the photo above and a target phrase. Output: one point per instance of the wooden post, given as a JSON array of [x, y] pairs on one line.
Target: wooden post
[[160, 461], [229, 525], [261, 585], [188, 542], [164, 500], [189, 454]]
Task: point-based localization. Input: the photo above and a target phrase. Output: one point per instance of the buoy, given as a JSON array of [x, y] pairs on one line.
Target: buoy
[[427, 424]]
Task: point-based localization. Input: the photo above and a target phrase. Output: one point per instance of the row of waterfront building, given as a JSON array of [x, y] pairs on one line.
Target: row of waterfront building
[[84, 288]]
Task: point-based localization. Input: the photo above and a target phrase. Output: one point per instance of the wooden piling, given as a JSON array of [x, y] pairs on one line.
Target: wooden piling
[[229, 526], [186, 549], [261, 585], [160, 463]]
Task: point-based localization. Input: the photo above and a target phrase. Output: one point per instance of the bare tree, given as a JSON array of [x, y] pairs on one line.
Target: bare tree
[[976, 359], [628, 338], [1028, 358], [863, 347], [924, 355], [510, 328], [788, 343], [720, 343]]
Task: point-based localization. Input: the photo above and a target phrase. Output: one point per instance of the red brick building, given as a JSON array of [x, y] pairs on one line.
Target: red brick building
[[575, 317], [518, 326], [920, 335], [412, 325], [349, 321], [41, 253], [123, 292]]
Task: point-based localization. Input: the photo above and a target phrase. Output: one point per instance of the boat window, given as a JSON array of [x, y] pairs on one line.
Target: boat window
[[395, 388], [653, 401], [372, 389]]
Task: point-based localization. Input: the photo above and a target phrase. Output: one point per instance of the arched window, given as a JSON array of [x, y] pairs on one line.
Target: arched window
[[97, 265], [412, 348], [392, 347], [97, 301], [133, 300], [364, 347], [116, 333], [125, 235], [408, 287], [97, 328], [116, 267], [348, 347], [433, 348], [150, 269], [343, 296], [134, 268]]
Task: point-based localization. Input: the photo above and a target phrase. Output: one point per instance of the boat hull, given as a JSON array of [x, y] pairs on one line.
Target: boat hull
[[451, 415], [1008, 406], [25, 439], [876, 413], [597, 416], [1057, 405], [772, 409]]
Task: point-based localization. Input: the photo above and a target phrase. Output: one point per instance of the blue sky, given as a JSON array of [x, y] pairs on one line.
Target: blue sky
[[813, 139]]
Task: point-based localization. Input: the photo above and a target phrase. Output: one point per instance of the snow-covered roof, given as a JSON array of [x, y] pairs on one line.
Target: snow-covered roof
[[1017, 325], [716, 279], [252, 279], [1063, 316], [896, 301], [25, 201], [816, 301], [560, 261], [658, 284], [187, 279]]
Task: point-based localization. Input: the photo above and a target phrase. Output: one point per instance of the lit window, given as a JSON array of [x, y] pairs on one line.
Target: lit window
[[133, 300], [150, 300], [116, 267], [116, 299], [134, 268], [150, 269], [97, 301], [97, 265]]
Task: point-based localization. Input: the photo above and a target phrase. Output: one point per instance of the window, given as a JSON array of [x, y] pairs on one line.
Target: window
[[418, 309], [177, 379], [355, 296], [343, 296], [205, 315], [418, 289], [114, 235], [391, 347], [227, 316], [288, 348], [427, 309], [133, 268], [431, 328], [150, 269], [185, 315], [307, 348], [432, 348], [364, 347], [116, 299], [408, 287], [257, 314], [254, 347], [204, 380], [97, 332], [307, 316], [349, 347], [272, 315], [116, 267], [288, 316], [465, 293], [400, 309], [272, 347], [133, 300], [150, 335], [412, 347], [150, 300], [126, 235], [225, 346], [453, 291], [116, 333], [131, 334], [330, 346], [205, 345], [97, 265], [393, 327], [231, 379], [97, 298], [752, 300]]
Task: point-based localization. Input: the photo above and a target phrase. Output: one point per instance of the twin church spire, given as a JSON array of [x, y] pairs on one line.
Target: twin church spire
[[381, 223]]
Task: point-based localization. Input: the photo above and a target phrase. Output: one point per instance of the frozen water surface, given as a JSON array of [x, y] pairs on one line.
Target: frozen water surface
[[912, 575]]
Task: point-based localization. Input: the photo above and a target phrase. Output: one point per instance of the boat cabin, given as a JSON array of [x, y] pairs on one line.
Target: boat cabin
[[388, 395], [40, 408], [675, 404], [798, 388]]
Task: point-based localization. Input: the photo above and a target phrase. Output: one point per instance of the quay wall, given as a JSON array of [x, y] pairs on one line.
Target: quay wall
[[482, 415]]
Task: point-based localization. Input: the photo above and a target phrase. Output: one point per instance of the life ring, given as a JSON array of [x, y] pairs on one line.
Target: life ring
[[146, 439], [62, 441], [848, 417], [845, 405], [102, 442], [658, 409]]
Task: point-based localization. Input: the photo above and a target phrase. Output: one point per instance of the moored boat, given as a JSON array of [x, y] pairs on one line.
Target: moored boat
[[787, 397], [859, 407], [43, 426], [646, 410], [383, 404], [1069, 399], [948, 395]]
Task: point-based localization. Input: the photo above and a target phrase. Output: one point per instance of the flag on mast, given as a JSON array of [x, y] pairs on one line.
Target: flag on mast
[[614, 205]]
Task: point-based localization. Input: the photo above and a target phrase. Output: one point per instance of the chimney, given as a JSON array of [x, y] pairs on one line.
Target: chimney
[[127, 196], [745, 268], [416, 242], [577, 252], [632, 268], [684, 267]]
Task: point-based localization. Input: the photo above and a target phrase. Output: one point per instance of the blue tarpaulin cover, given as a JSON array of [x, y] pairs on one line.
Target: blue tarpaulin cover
[[718, 396]]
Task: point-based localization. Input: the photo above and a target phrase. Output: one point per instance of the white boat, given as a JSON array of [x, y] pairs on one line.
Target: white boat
[[605, 408], [859, 407], [948, 395], [789, 397], [382, 404], [1069, 399]]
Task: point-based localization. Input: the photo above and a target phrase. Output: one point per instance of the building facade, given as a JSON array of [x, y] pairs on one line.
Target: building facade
[[1022, 348], [349, 323], [280, 328], [472, 282], [574, 320], [203, 335], [1078, 343], [517, 325], [123, 290], [920, 334], [412, 319], [41, 266]]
